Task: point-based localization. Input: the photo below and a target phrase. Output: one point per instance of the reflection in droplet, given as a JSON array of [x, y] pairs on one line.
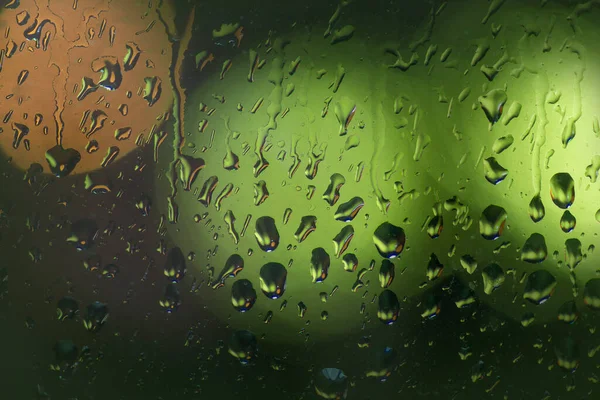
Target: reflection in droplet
[[567, 354], [110, 70], [132, 56], [492, 222], [96, 316], [175, 267], [308, 224], [62, 161], [567, 222], [493, 278], [389, 240], [243, 295], [562, 190], [266, 234], [568, 312], [319, 265], [434, 267], [534, 250], [233, 266], [350, 262], [83, 234], [171, 299], [536, 209], [494, 172], [209, 186], [67, 308], [243, 346], [540, 286], [332, 193], [342, 240], [492, 104], [573, 255], [273, 278], [152, 90], [261, 193], [468, 263], [347, 211], [388, 308], [331, 383], [387, 272]]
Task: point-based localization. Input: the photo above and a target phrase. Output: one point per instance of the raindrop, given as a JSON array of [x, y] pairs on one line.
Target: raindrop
[[389, 307], [389, 240], [534, 250], [273, 278], [540, 287], [492, 222], [562, 190]]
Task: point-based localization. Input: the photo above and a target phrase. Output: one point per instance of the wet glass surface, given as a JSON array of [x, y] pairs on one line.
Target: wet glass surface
[[340, 199]]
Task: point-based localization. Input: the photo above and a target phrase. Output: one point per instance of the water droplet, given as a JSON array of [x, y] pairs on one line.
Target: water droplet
[[494, 172], [266, 234], [83, 234], [175, 267], [243, 346], [492, 104], [540, 287], [331, 383], [568, 312], [332, 193], [389, 240], [308, 224], [96, 316], [388, 307], [591, 171], [435, 226], [273, 278], [342, 240], [567, 222], [536, 209], [319, 265], [209, 186], [123, 133], [350, 262], [67, 308], [567, 354], [243, 295], [562, 190], [468, 263], [434, 267], [302, 309], [492, 222], [132, 56], [534, 250], [152, 90], [387, 272], [347, 211], [261, 193], [493, 277]]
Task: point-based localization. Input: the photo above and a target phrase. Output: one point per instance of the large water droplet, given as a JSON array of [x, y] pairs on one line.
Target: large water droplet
[[493, 278], [266, 234], [273, 278], [534, 250], [536, 209], [540, 287], [562, 190], [389, 307], [492, 222], [319, 265], [389, 240], [243, 295]]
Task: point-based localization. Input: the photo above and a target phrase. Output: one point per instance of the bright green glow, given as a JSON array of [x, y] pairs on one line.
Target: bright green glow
[[444, 134]]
